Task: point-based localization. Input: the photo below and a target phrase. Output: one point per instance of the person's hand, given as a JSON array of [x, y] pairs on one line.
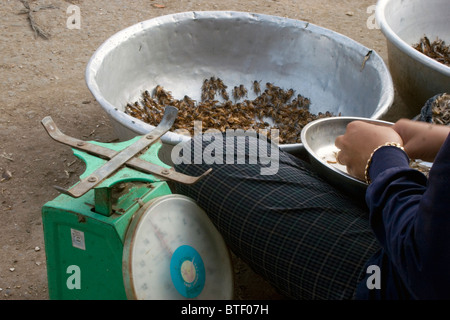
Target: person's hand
[[358, 143], [421, 140]]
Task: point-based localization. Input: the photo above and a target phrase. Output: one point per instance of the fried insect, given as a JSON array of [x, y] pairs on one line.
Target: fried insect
[[257, 87]]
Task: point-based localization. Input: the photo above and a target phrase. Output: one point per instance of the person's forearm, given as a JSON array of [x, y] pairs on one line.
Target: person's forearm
[[421, 140]]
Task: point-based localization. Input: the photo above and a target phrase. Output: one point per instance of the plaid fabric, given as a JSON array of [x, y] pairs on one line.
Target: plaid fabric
[[295, 230]]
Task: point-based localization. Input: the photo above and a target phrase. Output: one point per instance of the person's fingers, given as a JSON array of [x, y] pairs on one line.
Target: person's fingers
[[338, 158]]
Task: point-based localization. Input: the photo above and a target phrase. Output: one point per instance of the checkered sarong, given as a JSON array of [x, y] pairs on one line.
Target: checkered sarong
[[295, 230]]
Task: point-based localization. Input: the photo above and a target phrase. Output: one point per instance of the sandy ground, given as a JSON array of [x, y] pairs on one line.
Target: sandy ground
[[42, 77]]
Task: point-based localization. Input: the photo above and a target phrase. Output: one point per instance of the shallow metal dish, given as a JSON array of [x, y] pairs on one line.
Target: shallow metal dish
[[180, 51], [416, 76], [318, 139]]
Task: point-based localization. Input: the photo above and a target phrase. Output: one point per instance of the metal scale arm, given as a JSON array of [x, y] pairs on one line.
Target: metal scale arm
[[125, 157]]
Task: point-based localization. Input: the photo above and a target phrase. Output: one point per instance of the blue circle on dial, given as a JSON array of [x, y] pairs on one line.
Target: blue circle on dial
[[187, 271]]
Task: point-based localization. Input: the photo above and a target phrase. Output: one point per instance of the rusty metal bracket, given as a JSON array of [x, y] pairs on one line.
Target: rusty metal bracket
[[125, 157]]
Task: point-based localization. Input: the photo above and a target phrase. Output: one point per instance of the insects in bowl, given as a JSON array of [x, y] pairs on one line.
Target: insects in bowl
[[273, 108]]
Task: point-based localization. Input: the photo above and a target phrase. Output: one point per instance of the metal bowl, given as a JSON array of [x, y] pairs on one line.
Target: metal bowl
[[180, 51], [318, 139], [416, 76]]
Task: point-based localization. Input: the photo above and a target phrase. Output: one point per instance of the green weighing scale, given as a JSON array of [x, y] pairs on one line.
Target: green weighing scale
[[120, 233]]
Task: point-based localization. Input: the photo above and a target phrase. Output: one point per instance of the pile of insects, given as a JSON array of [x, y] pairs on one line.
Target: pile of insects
[[273, 108], [441, 110], [436, 50]]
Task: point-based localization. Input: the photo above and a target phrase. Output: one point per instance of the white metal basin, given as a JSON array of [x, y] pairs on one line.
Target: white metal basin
[[180, 51], [416, 76]]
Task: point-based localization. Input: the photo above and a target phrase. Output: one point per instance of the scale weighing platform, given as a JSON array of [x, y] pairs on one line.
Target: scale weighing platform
[[120, 233]]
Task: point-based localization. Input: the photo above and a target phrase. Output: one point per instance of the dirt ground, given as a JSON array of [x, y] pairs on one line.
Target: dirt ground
[[45, 77]]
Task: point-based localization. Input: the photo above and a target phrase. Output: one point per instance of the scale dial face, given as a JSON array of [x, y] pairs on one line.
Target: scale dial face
[[172, 251]]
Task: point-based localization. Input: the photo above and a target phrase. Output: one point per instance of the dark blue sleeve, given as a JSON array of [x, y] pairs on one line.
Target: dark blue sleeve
[[410, 216]]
